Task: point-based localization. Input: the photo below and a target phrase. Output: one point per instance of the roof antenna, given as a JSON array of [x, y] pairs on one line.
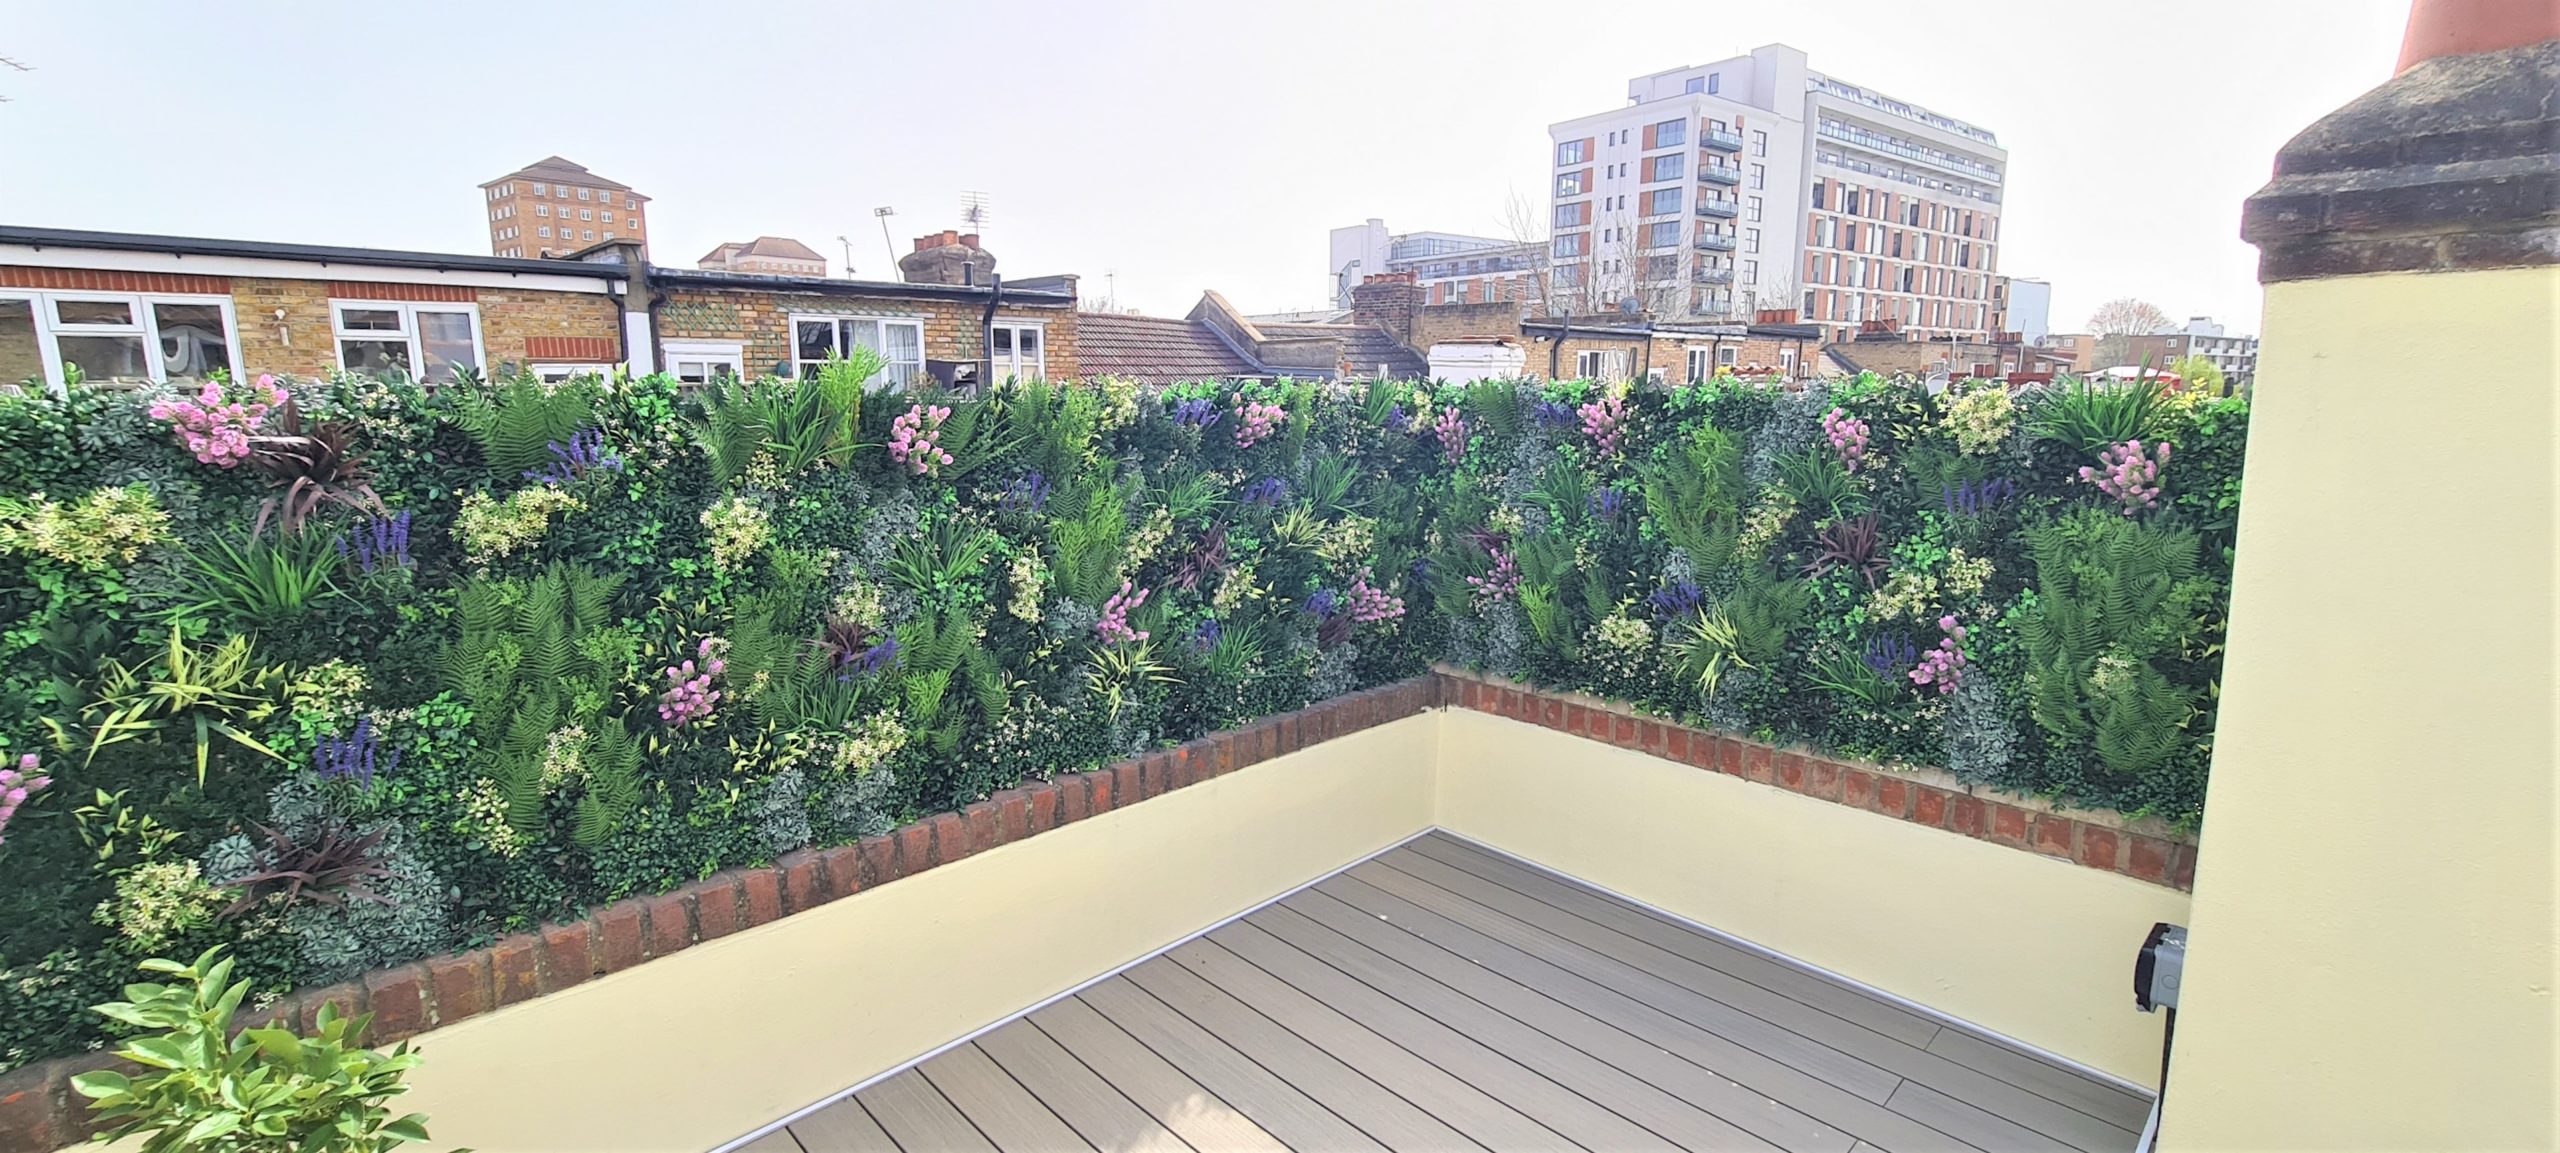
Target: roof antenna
[[973, 211], [14, 66]]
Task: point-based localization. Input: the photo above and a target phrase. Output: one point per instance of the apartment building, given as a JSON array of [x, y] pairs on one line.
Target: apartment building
[[553, 207], [2022, 305], [1757, 182], [1450, 267], [778, 255], [2236, 356]]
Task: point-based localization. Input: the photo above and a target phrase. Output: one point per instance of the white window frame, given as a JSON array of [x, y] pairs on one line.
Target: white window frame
[[339, 334], [146, 324], [1012, 365], [915, 373], [1604, 365], [1699, 366], [709, 354]]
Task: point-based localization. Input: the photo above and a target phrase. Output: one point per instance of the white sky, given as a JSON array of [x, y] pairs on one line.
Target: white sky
[[1182, 145]]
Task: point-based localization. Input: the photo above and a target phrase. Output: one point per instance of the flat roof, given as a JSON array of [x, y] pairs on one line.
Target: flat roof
[[838, 286], [76, 238]]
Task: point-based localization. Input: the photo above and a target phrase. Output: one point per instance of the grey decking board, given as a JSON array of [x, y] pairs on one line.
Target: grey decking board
[[1554, 1053], [918, 1117], [1456, 1101], [1629, 955], [2044, 1078], [1176, 1101], [1384, 1116], [1583, 955], [778, 1141], [1948, 1114], [1080, 1101], [1833, 997], [993, 1097], [1304, 1123], [1556, 1106], [843, 1127], [1798, 1109]]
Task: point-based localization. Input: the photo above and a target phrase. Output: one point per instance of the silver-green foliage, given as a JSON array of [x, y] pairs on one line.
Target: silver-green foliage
[[2118, 602]]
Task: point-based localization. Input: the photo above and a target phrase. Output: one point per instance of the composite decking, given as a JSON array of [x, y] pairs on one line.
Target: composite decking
[[1440, 996]]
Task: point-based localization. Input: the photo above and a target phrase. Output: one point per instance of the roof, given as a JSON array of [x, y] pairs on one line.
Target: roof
[[1365, 347], [1030, 297], [1155, 350], [75, 238], [559, 169], [776, 247]]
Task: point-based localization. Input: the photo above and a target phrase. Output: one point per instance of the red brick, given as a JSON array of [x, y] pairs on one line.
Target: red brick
[[1675, 743], [2147, 859], [1730, 758], [1550, 712], [671, 922], [1472, 696], [1893, 795], [980, 821], [515, 968], [618, 936], [30, 1104], [2182, 867], [1653, 736], [879, 860], [1285, 735], [1577, 718], [1858, 789], [1791, 771], [2008, 824], [461, 983], [1965, 814], [1072, 793], [839, 872], [2098, 848], [1757, 764], [1128, 783], [1102, 790], [2051, 834], [715, 907], [1705, 749], [1514, 704], [915, 849], [762, 890], [803, 883], [1929, 806], [1040, 808], [1822, 778], [1216, 755], [397, 998], [951, 839], [1622, 731], [1263, 741], [566, 957], [1013, 815]]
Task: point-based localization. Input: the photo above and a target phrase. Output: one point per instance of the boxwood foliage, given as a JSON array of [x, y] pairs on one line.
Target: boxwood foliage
[[540, 646]]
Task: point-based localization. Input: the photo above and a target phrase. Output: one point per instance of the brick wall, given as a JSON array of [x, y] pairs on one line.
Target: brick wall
[[762, 322], [1440, 322], [299, 343], [510, 317]]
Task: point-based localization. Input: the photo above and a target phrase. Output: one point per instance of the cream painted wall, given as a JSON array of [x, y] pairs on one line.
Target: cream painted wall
[[2372, 963], [2035, 948], [693, 1050]]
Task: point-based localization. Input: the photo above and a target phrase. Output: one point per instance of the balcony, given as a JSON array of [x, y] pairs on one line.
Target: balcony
[[1718, 209], [1713, 242], [1711, 276], [1724, 174], [1720, 140]]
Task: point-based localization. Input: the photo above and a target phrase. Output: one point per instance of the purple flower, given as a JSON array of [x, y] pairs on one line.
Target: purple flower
[[1028, 494], [354, 756], [1322, 602], [1269, 492], [873, 659], [1889, 655], [1677, 599], [573, 461], [1607, 503], [1198, 412], [379, 541], [1552, 414], [1204, 637]]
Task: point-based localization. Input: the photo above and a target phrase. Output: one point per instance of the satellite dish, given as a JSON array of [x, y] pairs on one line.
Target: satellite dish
[[1630, 306]]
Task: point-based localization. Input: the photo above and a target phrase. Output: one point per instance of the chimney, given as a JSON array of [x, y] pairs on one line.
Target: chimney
[[1774, 316], [1387, 300], [943, 239], [947, 257]]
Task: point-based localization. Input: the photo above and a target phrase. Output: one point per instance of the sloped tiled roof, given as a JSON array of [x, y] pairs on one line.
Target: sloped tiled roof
[[1365, 347], [1154, 350], [774, 247], [558, 169]]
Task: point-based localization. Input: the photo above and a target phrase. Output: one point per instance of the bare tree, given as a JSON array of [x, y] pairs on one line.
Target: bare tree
[[1527, 227], [2126, 316]]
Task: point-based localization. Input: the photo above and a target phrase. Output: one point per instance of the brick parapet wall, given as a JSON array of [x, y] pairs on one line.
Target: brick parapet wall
[[39, 1111], [761, 321], [2145, 849]]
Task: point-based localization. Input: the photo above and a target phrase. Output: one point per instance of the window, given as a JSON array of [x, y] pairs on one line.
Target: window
[[1759, 176], [586, 214], [900, 344], [1574, 183], [1660, 201], [113, 339], [1728, 355], [701, 362], [1662, 234], [542, 210], [1700, 366], [1570, 275], [1595, 364], [1574, 215], [1751, 208], [1750, 272], [582, 193], [542, 190], [608, 217], [1013, 350], [1572, 244], [1818, 188], [1713, 79], [429, 342], [1668, 134], [1572, 152], [1751, 240], [1759, 142], [555, 373], [544, 231], [1662, 267], [1660, 168], [1696, 84]]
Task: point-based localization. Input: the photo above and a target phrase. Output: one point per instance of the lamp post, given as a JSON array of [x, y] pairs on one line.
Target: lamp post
[[884, 212], [848, 255]]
